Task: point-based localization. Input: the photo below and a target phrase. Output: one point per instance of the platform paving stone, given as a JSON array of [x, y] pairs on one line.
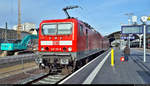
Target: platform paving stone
[[135, 71]]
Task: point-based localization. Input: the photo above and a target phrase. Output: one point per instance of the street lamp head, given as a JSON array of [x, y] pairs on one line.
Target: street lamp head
[[144, 19]]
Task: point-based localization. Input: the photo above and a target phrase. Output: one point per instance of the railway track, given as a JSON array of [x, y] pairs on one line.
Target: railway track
[[43, 78], [12, 66], [16, 66], [8, 71], [48, 79], [54, 78]]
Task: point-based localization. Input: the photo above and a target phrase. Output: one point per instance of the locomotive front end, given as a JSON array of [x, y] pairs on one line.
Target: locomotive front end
[[57, 43]]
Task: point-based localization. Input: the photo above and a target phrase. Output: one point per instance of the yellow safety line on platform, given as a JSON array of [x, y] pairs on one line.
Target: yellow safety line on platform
[[112, 57]]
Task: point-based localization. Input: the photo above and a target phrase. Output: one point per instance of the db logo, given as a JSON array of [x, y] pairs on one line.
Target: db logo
[[55, 42], [122, 59]]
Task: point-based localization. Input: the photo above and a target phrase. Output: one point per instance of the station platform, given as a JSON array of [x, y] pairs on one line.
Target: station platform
[[100, 71]]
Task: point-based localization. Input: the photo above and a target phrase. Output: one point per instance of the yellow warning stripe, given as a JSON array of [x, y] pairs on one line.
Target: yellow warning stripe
[[112, 57]]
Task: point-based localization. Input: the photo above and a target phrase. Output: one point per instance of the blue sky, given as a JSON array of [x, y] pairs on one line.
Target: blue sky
[[104, 15]]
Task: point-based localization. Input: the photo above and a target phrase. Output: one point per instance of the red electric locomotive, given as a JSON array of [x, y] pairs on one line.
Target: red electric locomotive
[[65, 42]]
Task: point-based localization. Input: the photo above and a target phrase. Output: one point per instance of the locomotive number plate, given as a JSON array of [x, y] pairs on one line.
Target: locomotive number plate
[[55, 42], [64, 61]]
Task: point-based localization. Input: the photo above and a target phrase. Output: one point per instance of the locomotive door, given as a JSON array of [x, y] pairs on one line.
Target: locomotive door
[[87, 44]]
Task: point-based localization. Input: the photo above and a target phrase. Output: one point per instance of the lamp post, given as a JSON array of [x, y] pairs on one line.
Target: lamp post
[[144, 20]]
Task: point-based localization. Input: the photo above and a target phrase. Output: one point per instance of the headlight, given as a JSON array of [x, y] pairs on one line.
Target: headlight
[[69, 49], [55, 37]]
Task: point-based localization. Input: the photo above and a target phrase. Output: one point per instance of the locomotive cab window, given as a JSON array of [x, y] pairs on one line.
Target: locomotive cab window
[[64, 28], [59, 28], [49, 29]]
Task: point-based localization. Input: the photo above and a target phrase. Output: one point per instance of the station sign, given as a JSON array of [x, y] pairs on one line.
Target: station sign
[[128, 37], [132, 29], [148, 28]]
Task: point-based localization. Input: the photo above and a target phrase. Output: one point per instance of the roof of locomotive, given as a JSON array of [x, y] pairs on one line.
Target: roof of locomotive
[[62, 20], [57, 20], [90, 27]]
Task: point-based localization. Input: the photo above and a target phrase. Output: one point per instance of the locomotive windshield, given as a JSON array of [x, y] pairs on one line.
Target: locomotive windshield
[[59, 28]]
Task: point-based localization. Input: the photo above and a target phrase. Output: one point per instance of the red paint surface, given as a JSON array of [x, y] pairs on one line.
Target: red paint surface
[[95, 40]]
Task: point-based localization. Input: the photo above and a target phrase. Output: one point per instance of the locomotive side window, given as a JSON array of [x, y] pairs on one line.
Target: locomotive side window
[[64, 28], [81, 30], [49, 29]]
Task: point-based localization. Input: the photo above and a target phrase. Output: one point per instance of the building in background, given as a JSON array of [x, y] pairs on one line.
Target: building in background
[[25, 27], [11, 34]]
